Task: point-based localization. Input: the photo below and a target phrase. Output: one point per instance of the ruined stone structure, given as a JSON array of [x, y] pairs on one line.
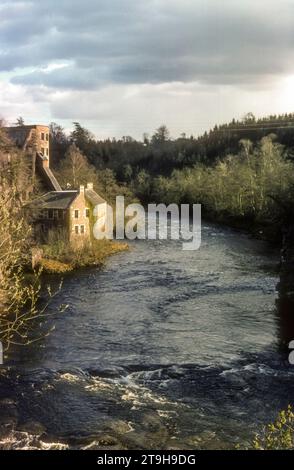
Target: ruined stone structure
[[35, 141], [34, 138]]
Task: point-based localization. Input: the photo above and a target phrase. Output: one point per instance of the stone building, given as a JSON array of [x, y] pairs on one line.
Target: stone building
[[66, 211], [35, 141], [69, 212], [34, 137]]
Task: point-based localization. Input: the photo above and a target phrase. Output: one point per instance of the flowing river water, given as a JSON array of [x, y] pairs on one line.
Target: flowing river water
[[162, 349]]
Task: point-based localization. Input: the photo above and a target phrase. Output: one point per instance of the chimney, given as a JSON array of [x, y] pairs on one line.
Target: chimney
[[90, 186], [82, 189], [45, 162]]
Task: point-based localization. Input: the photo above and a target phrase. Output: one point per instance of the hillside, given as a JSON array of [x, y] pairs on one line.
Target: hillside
[[159, 154]]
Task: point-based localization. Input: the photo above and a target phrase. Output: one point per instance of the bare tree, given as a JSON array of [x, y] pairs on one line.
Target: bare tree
[[161, 134], [75, 169], [20, 121]]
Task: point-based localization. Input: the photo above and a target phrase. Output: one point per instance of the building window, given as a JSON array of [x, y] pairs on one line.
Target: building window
[[43, 151], [79, 229], [55, 214], [45, 214], [42, 136], [47, 152], [87, 213], [77, 214], [47, 137], [50, 214]]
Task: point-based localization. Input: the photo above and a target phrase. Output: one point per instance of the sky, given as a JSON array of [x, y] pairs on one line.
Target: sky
[[124, 67]]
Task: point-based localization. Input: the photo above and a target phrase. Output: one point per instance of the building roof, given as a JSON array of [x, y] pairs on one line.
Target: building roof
[[93, 197], [26, 126], [64, 199], [55, 200]]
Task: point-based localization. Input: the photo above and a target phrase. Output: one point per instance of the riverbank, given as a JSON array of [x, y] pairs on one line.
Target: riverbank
[[58, 260], [260, 230]]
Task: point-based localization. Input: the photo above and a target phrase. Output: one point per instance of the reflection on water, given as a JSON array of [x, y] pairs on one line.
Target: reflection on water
[[162, 349]]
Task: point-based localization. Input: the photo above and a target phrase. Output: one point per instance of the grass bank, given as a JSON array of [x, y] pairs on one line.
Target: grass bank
[[60, 258]]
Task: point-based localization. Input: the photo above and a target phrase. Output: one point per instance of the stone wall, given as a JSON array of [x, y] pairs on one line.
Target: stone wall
[[34, 137], [79, 204]]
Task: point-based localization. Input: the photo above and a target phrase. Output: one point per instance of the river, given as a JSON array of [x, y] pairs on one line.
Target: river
[[162, 349]]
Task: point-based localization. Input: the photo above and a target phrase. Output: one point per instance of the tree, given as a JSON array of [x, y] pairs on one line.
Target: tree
[[14, 165], [249, 118], [127, 173], [146, 139], [5, 142], [58, 144], [143, 186], [57, 133], [75, 170], [14, 248], [246, 145], [80, 136], [161, 135], [18, 293], [20, 121]]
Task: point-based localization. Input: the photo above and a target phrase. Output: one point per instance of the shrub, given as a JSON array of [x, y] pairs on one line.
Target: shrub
[[19, 293], [278, 435]]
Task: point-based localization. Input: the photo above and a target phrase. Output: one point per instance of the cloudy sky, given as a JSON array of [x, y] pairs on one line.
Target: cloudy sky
[[123, 67]]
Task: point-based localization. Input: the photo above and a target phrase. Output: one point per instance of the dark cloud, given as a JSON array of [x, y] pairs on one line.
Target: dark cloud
[[138, 41]]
